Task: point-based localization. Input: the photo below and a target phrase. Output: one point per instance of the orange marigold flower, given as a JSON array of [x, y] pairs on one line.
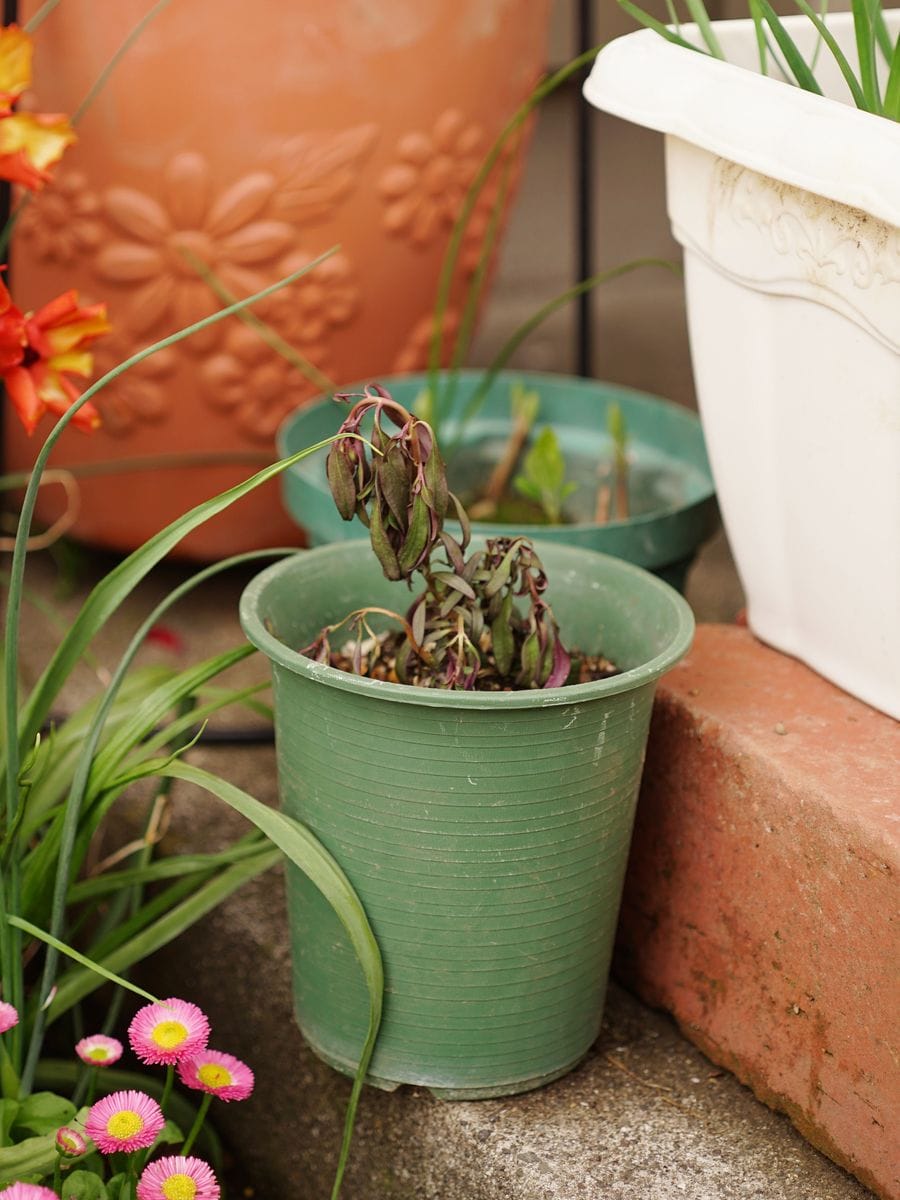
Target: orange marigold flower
[[30, 143], [55, 338]]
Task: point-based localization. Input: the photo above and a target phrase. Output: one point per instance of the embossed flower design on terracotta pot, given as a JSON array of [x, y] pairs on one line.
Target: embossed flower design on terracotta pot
[[309, 310], [142, 395], [228, 231], [424, 190], [62, 223], [253, 383]]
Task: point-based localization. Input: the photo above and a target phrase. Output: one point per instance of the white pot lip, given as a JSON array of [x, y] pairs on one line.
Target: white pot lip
[[821, 145], [277, 651]]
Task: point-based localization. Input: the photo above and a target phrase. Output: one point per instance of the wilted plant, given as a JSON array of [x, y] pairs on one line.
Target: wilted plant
[[465, 629]]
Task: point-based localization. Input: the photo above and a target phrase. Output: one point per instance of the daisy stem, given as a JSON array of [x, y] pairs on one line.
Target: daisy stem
[[91, 1085], [57, 1175], [167, 1090], [197, 1126]]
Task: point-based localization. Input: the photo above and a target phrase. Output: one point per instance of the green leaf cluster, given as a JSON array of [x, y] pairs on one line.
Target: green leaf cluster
[[543, 477], [776, 47]]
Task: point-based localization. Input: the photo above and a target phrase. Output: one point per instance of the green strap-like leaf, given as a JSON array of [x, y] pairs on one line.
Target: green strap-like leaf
[[95, 968], [859, 98], [865, 49], [700, 16], [763, 10], [651, 22], [173, 866], [306, 852], [892, 89], [75, 985]]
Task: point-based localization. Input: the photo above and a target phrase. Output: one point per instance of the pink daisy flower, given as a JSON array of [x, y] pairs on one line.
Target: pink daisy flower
[[70, 1142], [8, 1018], [27, 1191], [168, 1032], [124, 1121], [220, 1074], [99, 1050], [178, 1178]]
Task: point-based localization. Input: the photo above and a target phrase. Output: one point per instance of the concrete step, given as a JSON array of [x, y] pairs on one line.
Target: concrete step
[[645, 1117]]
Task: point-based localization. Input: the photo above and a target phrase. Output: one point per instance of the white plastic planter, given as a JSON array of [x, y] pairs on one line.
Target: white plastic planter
[[788, 206]]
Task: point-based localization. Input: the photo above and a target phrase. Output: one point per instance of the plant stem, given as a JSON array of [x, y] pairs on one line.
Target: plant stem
[[485, 507], [269, 335], [198, 1124], [451, 254]]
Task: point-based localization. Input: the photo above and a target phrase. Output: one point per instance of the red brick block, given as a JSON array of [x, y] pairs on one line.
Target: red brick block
[[761, 905]]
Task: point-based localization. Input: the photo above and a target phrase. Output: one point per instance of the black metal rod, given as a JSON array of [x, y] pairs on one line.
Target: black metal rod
[[584, 200]]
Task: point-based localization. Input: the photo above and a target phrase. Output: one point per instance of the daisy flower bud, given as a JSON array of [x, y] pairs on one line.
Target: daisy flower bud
[[70, 1143], [8, 1017], [99, 1050]]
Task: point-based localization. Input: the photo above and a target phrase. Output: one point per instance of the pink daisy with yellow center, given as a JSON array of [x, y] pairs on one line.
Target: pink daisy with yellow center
[[9, 1017], [124, 1121], [70, 1143], [99, 1050], [169, 1032], [27, 1191], [178, 1178], [219, 1074]]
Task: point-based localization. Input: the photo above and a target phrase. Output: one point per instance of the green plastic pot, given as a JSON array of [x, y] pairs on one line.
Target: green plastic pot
[[486, 833], [672, 488]]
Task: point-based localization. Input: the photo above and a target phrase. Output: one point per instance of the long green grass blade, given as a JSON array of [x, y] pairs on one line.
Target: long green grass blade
[[527, 327], [700, 17], [306, 852], [41, 15], [840, 58], [153, 709], [650, 22], [759, 29], [93, 967], [69, 833], [451, 254], [882, 34], [219, 699], [173, 866], [796, 62], [75, 985], [444, 403], [892, 88], [865, 50], [103, 78]]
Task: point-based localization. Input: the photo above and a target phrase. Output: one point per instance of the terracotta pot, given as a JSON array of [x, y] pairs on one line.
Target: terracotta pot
[[255, 137]]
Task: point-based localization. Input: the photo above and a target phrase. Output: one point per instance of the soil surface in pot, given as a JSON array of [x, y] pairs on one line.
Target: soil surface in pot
[[376, 657]]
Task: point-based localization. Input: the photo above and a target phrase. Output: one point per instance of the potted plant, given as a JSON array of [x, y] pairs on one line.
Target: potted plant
[[787, 204], [485, 831], [672, 508]]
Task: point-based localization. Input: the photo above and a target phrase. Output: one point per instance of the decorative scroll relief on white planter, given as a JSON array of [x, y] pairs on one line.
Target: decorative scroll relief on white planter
[[785, 240]]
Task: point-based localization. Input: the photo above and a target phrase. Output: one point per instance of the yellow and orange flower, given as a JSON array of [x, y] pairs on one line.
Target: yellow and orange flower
[[52, 347], [30, 143]]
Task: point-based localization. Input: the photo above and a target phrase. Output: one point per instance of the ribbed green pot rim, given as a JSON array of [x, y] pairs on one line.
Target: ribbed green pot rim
[[629, 575]]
